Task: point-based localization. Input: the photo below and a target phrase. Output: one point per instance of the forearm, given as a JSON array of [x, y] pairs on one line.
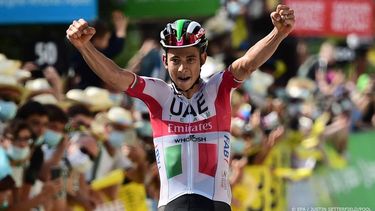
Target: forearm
[[105, 68], [263, 50], [57, 155]]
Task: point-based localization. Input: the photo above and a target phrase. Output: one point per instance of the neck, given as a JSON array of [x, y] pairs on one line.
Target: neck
[[189, 92]]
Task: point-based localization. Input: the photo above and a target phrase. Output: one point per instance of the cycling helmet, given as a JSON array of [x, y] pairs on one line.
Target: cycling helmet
[[183, 33]]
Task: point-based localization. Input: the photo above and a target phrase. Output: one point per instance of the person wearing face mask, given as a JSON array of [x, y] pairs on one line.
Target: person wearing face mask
[[54, 136], [80, 118], [120, 127], [35, 115], [188, 109], [8, 110], [10, 95], [55, 143], [117, 131], [16, 142]]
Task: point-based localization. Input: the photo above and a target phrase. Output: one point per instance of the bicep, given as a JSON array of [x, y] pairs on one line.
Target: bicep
[[242, 68], [124, 79]]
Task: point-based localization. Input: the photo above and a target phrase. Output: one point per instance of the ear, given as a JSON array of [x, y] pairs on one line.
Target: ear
[[165, 61], [203, 58]]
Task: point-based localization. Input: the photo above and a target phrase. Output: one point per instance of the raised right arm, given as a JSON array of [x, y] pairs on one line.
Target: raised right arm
[[79, 34]]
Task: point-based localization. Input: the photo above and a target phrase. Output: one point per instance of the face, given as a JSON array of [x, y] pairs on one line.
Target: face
[[56, 126], [38, 123], [80, 120], [23, 138], [183, 65]]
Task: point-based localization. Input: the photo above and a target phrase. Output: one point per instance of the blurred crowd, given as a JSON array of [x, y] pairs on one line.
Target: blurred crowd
[[70, 142]]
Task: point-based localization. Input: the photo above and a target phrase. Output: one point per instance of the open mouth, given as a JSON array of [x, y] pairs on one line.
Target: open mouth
[[185, 78]]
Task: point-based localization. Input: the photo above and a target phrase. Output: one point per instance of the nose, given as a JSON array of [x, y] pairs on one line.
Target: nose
[[182, 67]]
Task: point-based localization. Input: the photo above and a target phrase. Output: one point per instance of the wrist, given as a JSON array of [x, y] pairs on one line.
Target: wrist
[[85, 47], [278, 35]]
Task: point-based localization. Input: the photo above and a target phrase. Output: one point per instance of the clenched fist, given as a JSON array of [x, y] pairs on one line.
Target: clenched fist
[[283, 19], [79, 33]]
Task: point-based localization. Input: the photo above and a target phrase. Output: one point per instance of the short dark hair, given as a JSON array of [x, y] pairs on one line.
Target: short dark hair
[[76, 109], [30, 108], [15, 126], [56, 114]]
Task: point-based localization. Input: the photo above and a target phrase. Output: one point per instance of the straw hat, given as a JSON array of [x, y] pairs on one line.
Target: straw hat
[[46, 99], [115, 115], [38, 84], [10, 67], [121, 116], [9, 87], [97, 99], [300, 88]]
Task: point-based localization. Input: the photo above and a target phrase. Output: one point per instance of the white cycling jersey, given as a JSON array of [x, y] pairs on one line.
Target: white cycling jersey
[[191, 136]]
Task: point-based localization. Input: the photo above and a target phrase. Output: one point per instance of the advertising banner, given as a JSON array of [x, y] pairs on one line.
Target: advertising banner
[[354, 185], [46, 11], [147, 9], [333, 17]]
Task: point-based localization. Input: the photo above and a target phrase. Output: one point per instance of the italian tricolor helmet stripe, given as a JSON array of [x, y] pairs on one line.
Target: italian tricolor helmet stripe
[[179, 28]]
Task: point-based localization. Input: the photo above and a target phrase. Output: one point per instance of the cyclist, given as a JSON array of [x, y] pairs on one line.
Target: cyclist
[[190, 118]]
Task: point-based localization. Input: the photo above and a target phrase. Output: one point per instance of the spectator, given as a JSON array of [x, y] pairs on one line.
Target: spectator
[[110, 44]]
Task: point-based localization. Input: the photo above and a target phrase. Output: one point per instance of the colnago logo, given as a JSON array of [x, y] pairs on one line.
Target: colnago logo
[[192, 138], [189, 128]]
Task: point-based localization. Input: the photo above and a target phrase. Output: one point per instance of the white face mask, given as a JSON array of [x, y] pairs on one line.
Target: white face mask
[[52, 138], [39, 141], [80, 161], [7, 110], [18, 153], [233, 8], [117, 138]]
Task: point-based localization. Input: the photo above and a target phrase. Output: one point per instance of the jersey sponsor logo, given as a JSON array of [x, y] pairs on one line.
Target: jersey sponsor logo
[[183, 110], [192, 138], [157, 155], [226, 148], [189, 128]]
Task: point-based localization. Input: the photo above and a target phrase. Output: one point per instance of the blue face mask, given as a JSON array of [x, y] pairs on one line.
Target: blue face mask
[[145, 129], [18, 153], [5, 168], [117, 138], [8, 110], [52, 138], [237, 146], [233, 8]]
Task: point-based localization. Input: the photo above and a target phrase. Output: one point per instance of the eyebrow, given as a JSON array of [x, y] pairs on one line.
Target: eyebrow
[[191, 56]]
